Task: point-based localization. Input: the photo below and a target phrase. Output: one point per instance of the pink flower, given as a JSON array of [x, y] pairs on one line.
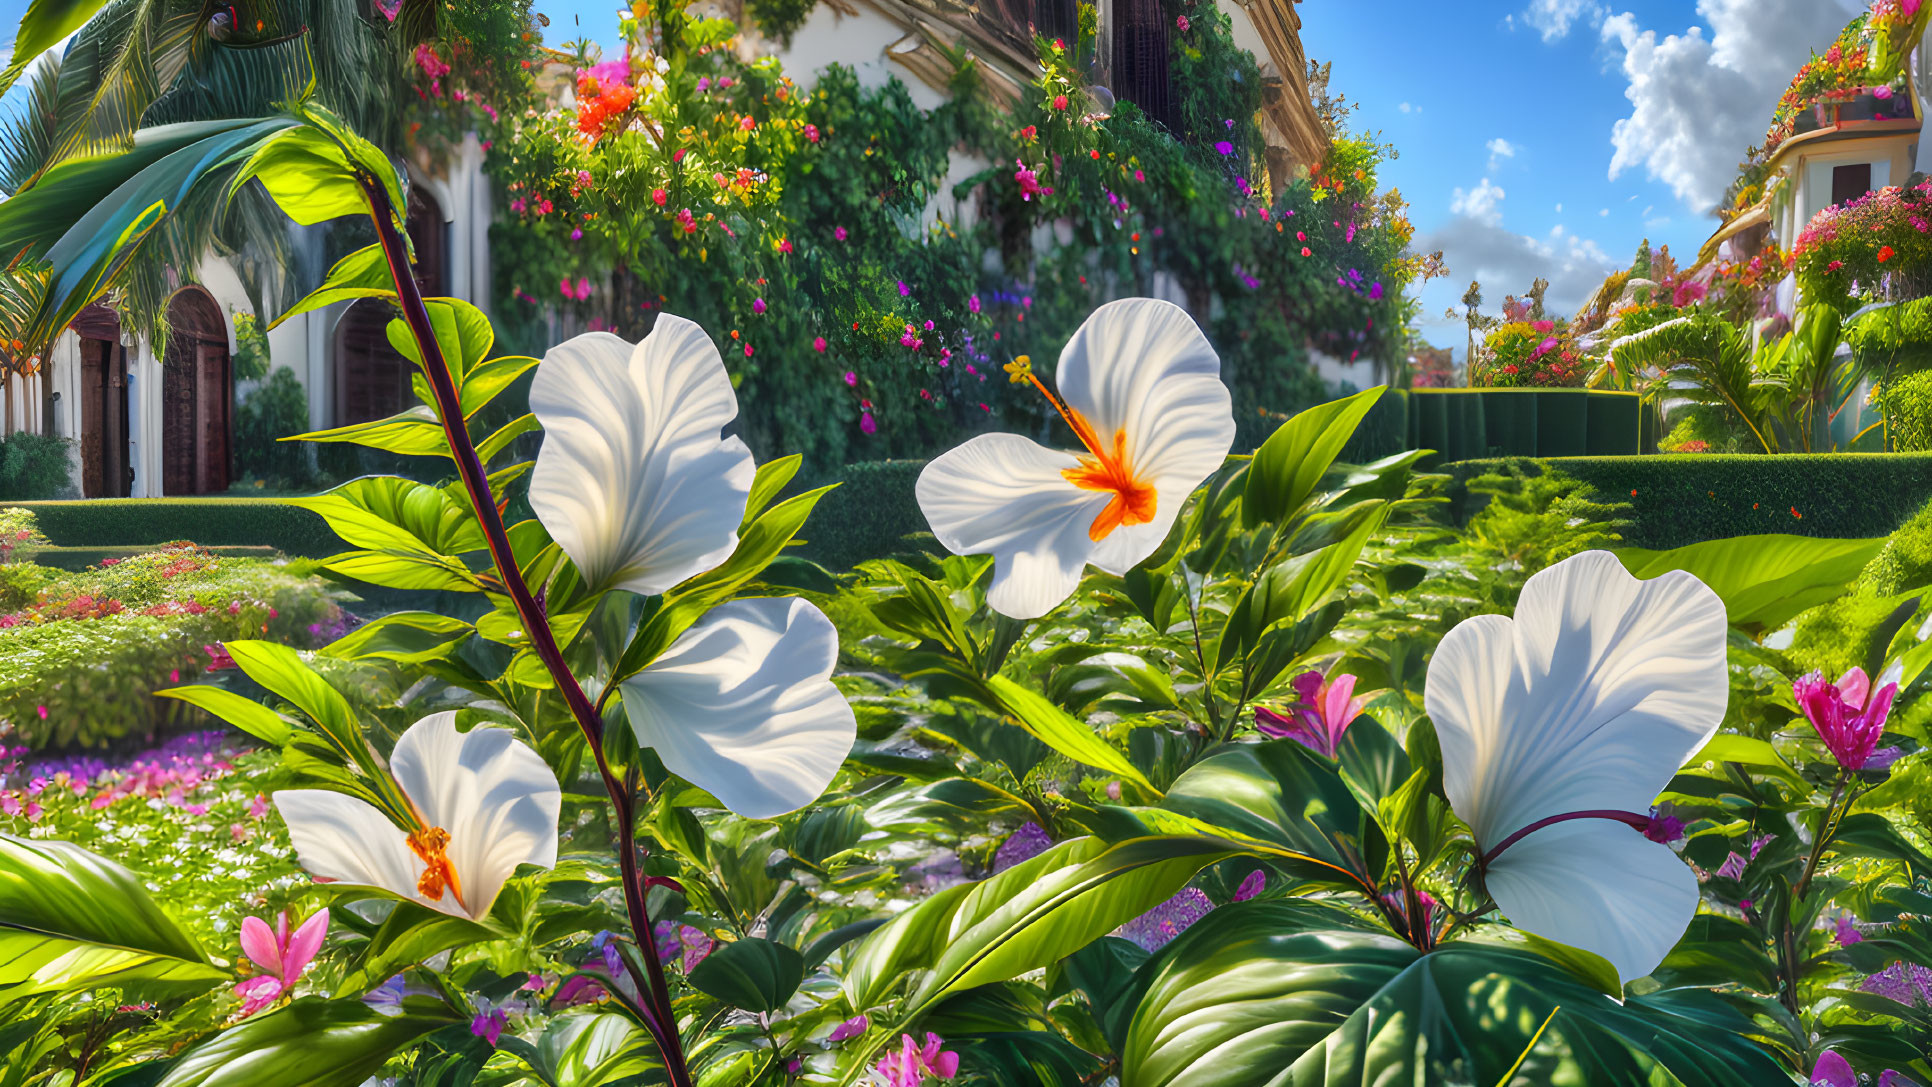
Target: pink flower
[[818, 344], [866, 425], [838, 233], [583, 288], [258, 807], [972, 304], [1320, 715], [1029, 181], [1224, 147], [757, 305], [912, 1063], [1252, 886], [1181, 22], [280, 956], [747, 350], [1060, 101], [1882, 93], [42, 711], [218, 660], [1844, 719], [678, 155], [659, 196], [490, 1021], [1544, 327], [811, 133], [747, 124], [851, 377]]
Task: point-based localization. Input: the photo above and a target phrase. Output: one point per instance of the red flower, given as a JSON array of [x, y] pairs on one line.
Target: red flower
[[1886, 254]]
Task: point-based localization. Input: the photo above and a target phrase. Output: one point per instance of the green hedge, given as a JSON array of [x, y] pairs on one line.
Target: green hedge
[[122, 522], [1682, 499], [1466, 424], [867, 516]]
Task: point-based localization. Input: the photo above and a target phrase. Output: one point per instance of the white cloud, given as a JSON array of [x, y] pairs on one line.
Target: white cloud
[[1605, 213], [1409, 107], [1554, 18], [1699, 99], [1500, 149], [1559, 209], [1506, 262], [1481, 204]]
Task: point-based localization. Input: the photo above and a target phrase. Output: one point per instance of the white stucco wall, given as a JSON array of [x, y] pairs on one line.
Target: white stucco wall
[[862, 42]]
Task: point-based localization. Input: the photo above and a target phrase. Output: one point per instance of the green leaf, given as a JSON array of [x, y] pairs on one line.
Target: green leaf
[[70, 919], [246, 714], [413, 432], [497, 442], [1029, 916], [1764, 581], [362, 274], [1729, 747], [410, 934], [483, 383], [768, 482], [1281, 793], [1289, 592], [308, 176], [310, 1043], [393, 514], [1062, 732], [42, 27], [404, 636], [462, 332], [1290, 464], [754, 974], [1326, 1002], [588, 1049]]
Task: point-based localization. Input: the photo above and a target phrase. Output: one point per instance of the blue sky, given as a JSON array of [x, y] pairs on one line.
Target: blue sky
[[1537, 137]]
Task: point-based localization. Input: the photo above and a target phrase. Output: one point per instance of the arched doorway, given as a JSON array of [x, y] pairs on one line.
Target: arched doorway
[[105, 472], [197, 396], [371, 378]]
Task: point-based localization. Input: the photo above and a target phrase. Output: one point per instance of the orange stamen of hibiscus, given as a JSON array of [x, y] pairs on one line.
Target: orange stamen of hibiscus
[[1105, 468], [432, 844]]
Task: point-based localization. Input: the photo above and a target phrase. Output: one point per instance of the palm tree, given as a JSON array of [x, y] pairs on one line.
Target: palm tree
[[1708, 360]]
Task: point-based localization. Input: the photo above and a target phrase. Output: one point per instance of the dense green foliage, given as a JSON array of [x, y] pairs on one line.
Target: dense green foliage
[[34, 466], [79, 662], [277, 409]]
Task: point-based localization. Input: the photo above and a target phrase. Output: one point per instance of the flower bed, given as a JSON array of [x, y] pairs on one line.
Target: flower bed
[[1528, 354], [1879, 245], [80, 660]]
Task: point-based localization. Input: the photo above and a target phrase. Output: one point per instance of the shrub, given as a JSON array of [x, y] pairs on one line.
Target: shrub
[[103, 522], [1684, 499], [279, 408], [78, 667], [867, 516], [20, 537], [1906, 561], [1877, 245], [1907, 404], [1527, 354], [34, 466]]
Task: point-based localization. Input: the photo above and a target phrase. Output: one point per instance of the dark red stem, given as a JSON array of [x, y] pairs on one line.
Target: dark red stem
[[1641, 822], [536, 625]]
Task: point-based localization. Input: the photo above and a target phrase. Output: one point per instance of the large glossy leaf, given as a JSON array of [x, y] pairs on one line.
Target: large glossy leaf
[[1287, 993], [1063, 732], [70, 919], [1291, 463], [755, 974], [310, 1043], [1764, 581], [412, 432], [1289, 592], [362, 274], [587, 1049], [404, 636], [42, 27], [410, 532], [1029, 916], [1281, 793]]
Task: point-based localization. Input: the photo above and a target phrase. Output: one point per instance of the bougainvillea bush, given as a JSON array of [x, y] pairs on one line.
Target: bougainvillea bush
[[1876, 247], [81, 654], [794, 223]]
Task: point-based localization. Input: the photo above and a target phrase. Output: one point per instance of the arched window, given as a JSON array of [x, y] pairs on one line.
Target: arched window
[[371, 378], [197, 396]]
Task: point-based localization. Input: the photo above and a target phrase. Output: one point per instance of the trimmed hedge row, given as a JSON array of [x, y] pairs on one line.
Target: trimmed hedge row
[[1466, 424], [1683, 499], [122, 522]]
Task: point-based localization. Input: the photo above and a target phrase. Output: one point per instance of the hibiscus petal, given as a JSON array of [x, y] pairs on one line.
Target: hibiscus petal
[[1141, 366], [1598, 885], [259, 944], [497, 798], [1590, 699], [342, 839], [302, 946], [1854, 686], [633, 480], [1004, 495], [742, 705]]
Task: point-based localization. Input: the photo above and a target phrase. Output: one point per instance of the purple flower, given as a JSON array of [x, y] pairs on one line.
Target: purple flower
[[1024, 844], [1843, 717], [866, 425], [851, 377], [757, 305], [1732, 868], [1375, 292], [1902, 982], [904, 291], [1398, 905], [851, 1028], [674, 939], [1251, 886], [1155, 928], [1847, 930], [490, 1021], [1664, 826], [1320, 715], [1833, 1070], [911, 1063], [1224, 147], [972, 304]]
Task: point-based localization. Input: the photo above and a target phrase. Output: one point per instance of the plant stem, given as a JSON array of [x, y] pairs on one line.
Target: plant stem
[[1826, 828], [536, 625]]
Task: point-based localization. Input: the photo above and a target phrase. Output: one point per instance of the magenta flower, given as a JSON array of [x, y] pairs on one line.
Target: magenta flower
[[1029, 181], [490, 1021], [1180, 22], [280, 956], [1252, 886], [1846, 720], [972, 304], [838, 233], [757, 305], [851, 1028], [1224, 147], [811, 133], [1320, 715], [866, 424], [851, 376], [1833, 1070], [912, 1063]]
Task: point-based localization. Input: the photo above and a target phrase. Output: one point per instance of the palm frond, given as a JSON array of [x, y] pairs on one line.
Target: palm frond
[[118, 64], [23, 289], [27, 137], [1709, 360]]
